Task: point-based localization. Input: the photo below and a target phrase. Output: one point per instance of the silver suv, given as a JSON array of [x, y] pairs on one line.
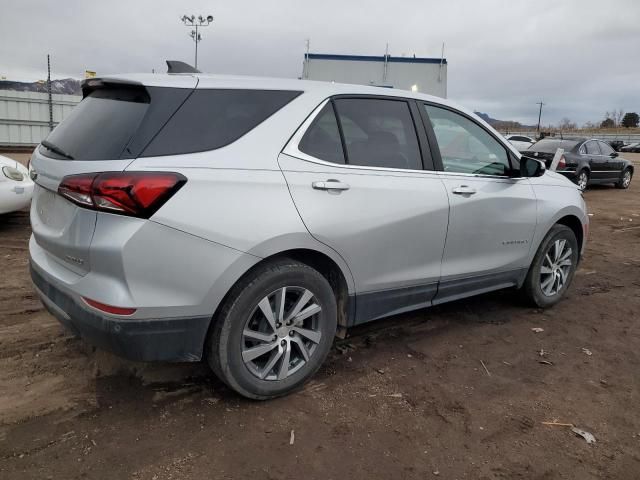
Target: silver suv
[[247, 221]]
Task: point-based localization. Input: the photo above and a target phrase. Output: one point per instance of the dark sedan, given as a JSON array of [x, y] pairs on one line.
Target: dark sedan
[[585, 161], [632, 147]]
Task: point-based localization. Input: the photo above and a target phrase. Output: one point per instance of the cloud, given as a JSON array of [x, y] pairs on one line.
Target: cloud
[[504, 56]]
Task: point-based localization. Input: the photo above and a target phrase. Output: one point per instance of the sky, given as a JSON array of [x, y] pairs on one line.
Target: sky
[[579, 57]]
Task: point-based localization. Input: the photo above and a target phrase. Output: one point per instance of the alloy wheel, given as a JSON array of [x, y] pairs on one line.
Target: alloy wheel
[[282, 333], [556, 267], [583, 179], [626, 179]]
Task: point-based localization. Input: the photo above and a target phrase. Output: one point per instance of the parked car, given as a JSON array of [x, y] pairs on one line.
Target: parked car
[[585, 161], [245, 221], [521, 142], [16, 187], [632, 147]]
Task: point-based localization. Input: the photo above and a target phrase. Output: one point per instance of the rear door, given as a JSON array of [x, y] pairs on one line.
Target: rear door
[[355, 172], [107, 129], [597, 163], [492, 216]]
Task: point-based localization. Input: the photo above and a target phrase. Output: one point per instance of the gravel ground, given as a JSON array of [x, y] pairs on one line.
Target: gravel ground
[[455, 391]]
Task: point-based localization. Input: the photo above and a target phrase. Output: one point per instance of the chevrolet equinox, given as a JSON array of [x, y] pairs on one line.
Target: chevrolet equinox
[[247, 221]]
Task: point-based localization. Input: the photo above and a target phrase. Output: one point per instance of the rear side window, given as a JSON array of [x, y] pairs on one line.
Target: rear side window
[[605, 149], [211, 119], [322, 139], [379, 133], [592, 148], [100, 126]]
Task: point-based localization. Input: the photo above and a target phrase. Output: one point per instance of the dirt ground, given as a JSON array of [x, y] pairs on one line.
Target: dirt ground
[[456, 391]]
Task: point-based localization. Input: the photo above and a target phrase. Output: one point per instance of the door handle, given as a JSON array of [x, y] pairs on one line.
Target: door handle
[[464, 190], [330, 185]]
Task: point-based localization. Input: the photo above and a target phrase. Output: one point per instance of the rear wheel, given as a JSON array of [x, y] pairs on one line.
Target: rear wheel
[[625, 179], [552, 268], [274, 331], [582, 180]]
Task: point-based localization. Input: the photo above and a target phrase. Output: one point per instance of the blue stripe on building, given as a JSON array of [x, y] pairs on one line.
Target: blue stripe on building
[[374, 58]]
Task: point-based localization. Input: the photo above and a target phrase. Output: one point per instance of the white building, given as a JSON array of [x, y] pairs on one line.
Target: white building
[[427, 75], [24, 116]]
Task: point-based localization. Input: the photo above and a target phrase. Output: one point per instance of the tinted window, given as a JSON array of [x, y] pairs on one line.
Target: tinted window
[[379, 133], [322, 139], [101, 125], [517, 138], [211, 119], [605, 149], [592, 148], [465, 147]]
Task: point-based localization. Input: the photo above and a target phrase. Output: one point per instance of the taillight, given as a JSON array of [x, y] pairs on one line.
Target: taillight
[[137, 194], [561, 163]]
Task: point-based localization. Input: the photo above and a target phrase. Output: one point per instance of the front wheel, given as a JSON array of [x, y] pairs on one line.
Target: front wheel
[[625, 179], [552, 268], [274, 331]]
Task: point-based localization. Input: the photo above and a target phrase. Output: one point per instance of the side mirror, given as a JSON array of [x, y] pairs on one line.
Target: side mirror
[[531, 167], [613, 154]]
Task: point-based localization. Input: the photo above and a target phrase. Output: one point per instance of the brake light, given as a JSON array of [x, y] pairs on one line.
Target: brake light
[[136, 194], [103, 307]]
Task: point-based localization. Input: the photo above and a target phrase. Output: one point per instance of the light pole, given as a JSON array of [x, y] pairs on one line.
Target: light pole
[[539, 116], [196, 23]]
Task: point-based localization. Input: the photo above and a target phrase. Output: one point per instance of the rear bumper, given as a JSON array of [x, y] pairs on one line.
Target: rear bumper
[[162, 339]]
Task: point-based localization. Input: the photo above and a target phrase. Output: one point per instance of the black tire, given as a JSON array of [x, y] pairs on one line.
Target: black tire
[[623, 183], [532, 287], [227, 340], [578, 179]]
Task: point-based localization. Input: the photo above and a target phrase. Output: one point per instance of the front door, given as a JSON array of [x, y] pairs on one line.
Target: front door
[[361, 188], [614, 164], [492, 216]]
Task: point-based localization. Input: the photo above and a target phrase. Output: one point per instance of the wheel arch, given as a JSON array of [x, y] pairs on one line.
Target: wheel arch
[[574, 223], [336, 272]]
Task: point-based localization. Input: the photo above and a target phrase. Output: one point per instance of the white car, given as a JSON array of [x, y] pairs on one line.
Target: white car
[[16, 188], [521, 142]]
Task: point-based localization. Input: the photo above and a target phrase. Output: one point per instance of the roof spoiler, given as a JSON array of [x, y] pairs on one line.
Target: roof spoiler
[[88, 85], [176, 66]]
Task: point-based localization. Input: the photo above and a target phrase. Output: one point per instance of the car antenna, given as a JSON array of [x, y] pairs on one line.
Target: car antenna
[[176, 66]]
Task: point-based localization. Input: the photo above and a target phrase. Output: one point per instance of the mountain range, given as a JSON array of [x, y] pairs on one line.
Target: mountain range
[[69, 86]]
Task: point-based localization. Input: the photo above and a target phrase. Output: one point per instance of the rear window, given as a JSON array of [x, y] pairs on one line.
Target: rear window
[[551, 145], [131, 121], [211, 119], [100, 126]]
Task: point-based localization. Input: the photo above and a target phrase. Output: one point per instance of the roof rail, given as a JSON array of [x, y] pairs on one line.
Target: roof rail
[[176, 66]]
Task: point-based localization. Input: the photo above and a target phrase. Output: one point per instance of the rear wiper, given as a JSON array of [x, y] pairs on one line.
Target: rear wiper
[[55, 149]]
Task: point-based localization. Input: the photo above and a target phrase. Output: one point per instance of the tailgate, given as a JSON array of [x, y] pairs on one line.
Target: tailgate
[[105, 132]]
